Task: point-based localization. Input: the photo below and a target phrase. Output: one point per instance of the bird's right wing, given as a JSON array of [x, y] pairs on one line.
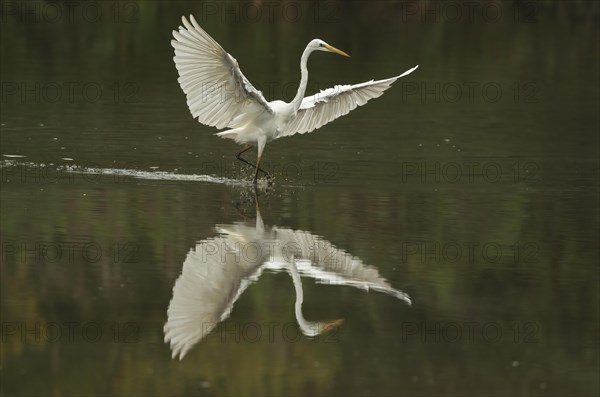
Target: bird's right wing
[[218, 93], [319, 109]]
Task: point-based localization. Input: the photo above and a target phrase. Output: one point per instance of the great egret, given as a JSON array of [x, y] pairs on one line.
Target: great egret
[[219, 269], [219, 95]]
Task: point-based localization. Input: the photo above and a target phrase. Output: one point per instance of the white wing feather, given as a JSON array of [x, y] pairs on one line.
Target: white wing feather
[[218, 93], [319, 109], [319, 259], [205, 292], [216, 273]]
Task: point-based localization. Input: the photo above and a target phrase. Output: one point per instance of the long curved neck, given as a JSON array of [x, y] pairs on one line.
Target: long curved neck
[[299, 293], [303, 80], [308, 328]]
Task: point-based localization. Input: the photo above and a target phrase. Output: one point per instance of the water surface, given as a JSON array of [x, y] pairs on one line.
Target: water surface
[[471, 186]]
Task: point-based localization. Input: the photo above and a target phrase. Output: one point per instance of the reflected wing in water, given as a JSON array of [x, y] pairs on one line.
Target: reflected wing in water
[[321, 260], [219, 270], [212, 279]]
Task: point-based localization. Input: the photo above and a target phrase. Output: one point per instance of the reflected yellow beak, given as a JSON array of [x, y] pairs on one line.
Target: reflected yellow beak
[[333, 49], [329, 325]]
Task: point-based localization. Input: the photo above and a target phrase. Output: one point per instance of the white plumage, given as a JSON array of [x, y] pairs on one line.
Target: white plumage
[[219, 95], [218, 270], [317, 110]]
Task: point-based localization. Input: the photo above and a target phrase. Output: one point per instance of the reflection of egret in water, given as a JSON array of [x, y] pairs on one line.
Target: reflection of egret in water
[[220, 269]]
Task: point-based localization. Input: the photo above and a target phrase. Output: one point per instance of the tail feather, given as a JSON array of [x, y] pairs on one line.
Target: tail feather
[[229, 134]]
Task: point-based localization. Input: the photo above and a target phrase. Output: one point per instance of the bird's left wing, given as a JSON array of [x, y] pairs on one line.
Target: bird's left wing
[[205, 292], [218, 93], [319, 109]]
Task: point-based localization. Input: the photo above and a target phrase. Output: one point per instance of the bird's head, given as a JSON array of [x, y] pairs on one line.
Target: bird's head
[[320, 45]]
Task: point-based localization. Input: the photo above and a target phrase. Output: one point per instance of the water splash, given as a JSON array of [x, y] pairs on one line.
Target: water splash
[[128, 173]]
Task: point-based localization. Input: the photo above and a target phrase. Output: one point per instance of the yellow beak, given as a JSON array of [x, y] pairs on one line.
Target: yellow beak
[[333, 49], [329, 325]]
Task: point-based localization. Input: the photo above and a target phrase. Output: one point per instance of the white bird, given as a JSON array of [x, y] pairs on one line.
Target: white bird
[[219, 95], [217, 272]]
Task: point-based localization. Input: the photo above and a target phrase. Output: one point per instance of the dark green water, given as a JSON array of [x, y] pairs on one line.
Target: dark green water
[[472, 185]]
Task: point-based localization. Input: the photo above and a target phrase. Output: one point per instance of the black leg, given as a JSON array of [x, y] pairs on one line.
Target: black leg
[[239, 157]]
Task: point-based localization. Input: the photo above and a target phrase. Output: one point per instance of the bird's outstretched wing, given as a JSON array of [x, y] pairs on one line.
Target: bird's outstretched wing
[[218, 93], [319, 259], [204, 294], [319, 109]]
